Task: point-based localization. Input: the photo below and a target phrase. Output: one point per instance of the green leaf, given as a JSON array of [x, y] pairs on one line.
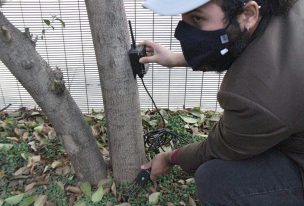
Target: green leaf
[[14, 200], [145, 118], [154, 198], [86, 189], [204, 136], [39, 119], [6, 147], [163, 112], [61, 21], [81, 203], [197, 110], [1, 202], [99, 116], [39, 128], [47, 22], [27, 201], [215, 118], [153, 123], [15, 114], [202, 119], [96, 116], [97, 196], [189, 120], [37, 113]]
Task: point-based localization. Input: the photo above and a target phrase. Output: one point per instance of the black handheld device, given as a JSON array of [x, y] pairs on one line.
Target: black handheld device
[[135, 53]]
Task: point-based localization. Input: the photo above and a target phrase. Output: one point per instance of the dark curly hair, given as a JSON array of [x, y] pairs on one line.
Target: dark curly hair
[[233, 8]]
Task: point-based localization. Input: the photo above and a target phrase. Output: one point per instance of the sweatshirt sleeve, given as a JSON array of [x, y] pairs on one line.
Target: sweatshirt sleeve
[[246, 129]]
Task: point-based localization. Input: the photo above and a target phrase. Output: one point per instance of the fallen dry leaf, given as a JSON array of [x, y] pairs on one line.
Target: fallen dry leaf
[[113, 189], [56, 163], [52, 134], [18, 132], [190, 181], [73, 189], [25, 136], [33, 145], [49, 204], [109, 204], [14, 139], [182, 182], [105, 183], [21, 171], [41, 200], [71, 200], [191, 202], [182, 203], [29, 186]]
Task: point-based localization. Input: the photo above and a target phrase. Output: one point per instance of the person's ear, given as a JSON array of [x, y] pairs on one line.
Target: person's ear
[[250, 16]]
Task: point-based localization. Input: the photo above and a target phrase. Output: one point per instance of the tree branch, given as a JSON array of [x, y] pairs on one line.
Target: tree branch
[[5, 108]]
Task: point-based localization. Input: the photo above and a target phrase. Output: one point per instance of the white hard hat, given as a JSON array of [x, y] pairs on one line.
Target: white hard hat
[[173, 7]]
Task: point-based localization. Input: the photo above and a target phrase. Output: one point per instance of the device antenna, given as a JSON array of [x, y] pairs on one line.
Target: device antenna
[[132, 36]]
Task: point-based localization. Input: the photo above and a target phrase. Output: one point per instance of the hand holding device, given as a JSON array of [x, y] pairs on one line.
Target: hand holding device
[[135, 53]]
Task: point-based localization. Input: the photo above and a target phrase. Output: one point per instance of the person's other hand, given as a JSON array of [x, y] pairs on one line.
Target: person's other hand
[[157, 53], [159, 165]]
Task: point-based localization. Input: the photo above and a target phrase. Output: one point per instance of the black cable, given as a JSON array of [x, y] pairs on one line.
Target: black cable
[[153, 141], [156, 139], [164, 123]]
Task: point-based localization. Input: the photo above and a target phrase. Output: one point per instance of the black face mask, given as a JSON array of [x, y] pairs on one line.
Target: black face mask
[[204, 50]]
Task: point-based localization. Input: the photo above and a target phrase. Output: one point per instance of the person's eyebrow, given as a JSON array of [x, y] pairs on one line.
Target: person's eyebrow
[[200, 12]]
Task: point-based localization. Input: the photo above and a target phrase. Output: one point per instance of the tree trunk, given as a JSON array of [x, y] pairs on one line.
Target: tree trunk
[[46, 86], [120, 93]]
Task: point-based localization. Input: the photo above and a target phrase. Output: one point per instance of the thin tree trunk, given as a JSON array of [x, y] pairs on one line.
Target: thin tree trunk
[[46, 86], [120, 93]]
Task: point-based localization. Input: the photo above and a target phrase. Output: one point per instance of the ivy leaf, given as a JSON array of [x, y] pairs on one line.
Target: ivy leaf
[[6, 147], [39, 128], [163, 112], [154, 198], [14, 200], [97, 196], [188, 120], [27, 201], [153, 123], [47, 22], [86, 189], [61, 21], [81, 203]]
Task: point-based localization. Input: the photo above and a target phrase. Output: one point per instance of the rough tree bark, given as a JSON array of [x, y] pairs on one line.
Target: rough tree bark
[[46, 86], [120, 93]]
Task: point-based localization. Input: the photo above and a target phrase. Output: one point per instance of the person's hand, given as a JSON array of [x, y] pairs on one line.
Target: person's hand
[[157, 53], [159, 165]]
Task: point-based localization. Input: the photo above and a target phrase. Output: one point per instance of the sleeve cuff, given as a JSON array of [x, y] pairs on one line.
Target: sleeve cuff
[[173, 157]]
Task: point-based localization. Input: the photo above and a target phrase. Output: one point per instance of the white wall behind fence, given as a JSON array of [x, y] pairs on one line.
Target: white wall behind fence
[[71, 49]]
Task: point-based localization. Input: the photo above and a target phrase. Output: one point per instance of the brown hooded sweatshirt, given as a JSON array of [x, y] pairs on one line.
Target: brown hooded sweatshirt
[[262, 95]]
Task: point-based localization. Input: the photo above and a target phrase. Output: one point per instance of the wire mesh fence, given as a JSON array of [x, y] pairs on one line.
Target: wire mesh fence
[[71, 49]]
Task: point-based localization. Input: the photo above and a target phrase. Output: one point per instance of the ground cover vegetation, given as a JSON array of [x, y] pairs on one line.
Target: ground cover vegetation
[[35, 170]]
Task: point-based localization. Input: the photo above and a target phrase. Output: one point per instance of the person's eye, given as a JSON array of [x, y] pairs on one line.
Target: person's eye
[[197, 19]]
